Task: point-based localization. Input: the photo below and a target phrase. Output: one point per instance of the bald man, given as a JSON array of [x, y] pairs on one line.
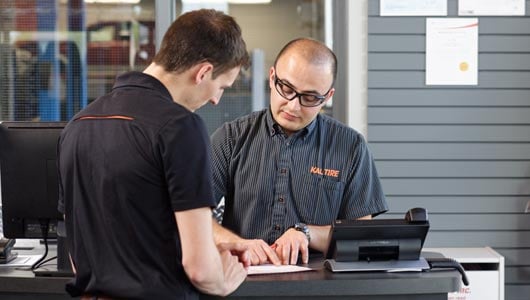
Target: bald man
[[287, 172]]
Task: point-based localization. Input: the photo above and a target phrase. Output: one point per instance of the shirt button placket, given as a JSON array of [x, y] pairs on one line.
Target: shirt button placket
[[281, 190]]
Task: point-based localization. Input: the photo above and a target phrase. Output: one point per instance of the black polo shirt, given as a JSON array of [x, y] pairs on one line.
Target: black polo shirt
[[127, 162], [271, 181]]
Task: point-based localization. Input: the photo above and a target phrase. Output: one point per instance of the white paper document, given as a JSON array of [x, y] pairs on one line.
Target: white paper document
[[491, 7], [22, 261], [273, 269], [451, 51], [413, 7]]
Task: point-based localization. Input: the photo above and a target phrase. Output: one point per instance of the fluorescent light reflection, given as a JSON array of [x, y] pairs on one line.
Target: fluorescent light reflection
[[113, 1]]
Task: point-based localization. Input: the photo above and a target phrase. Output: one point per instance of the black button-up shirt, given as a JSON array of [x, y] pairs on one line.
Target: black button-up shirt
[[270, 181]]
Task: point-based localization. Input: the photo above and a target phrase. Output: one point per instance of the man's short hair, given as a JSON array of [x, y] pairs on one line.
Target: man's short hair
[[312, 50], [204, 35]]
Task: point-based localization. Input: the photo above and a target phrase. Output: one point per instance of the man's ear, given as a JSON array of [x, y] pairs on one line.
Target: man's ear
[[203, 69], [271, 78], [329, 95]]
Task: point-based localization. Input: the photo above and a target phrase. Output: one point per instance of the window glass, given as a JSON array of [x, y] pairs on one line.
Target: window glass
[[56, 56], [266, 27], [103, 34]]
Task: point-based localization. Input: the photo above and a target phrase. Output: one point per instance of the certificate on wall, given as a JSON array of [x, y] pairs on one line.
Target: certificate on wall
[[413, 7], [491, 7], [451, 51]]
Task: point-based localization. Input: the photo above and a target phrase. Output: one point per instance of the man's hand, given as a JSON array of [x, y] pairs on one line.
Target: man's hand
[[260, 252], [290, 244], [236, 249], [233, 270]]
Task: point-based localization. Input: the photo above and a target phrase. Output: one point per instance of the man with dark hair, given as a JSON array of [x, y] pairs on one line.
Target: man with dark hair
[[287, 172], [135, 175]]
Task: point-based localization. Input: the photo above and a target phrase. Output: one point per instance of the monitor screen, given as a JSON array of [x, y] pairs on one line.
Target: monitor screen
[[29, 180]]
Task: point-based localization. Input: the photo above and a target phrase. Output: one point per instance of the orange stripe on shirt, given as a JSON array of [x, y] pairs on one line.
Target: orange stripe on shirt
[[106, 117]]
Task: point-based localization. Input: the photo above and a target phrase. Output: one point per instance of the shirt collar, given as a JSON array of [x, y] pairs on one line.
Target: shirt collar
[[275, 128], [142, 80]]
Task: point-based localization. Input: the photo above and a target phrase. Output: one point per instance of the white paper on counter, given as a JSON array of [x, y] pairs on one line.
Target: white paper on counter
[[273, 269]]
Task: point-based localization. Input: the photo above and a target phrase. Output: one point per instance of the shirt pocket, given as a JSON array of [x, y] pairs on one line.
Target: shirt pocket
[[322, 199]]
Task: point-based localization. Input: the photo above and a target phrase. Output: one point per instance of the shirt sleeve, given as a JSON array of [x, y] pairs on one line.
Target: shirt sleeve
[[184, 148], [363, 192], [221, 156]]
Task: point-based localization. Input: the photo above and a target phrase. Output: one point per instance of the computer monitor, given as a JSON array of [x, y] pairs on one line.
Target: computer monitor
[[29, 183], [29, 186]]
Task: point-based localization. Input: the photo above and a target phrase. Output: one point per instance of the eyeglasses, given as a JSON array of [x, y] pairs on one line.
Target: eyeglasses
[[288, 92]]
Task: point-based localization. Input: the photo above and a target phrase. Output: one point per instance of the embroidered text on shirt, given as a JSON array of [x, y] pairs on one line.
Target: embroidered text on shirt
[[326, 172]]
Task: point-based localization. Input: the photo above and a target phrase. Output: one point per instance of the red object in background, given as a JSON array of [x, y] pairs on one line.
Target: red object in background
[[109, 43], [25, 16]]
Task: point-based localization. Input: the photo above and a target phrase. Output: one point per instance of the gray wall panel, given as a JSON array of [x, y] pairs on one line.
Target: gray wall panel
[[448, 133], [416, 79], [517, 292], [416, 61], [461, 151], [517, 275], [494, 239], [499, 25], [515, 257], [458, 204], [456, 186], [401, 150], [445, 97], [401, 43], [461, 222], [416, 43], [449, 115], [449, 169]]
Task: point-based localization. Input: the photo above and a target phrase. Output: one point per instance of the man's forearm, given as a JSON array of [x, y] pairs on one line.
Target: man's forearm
[[223, 235], [319, 237]]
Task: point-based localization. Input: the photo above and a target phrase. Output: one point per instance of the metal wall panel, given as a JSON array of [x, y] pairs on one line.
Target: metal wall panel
[[462, 152], [449, 115], [401, 150], [416, 61], [449, 133], [458, 204], [453, 169], [446, 97], [494, 239], [476, 221]]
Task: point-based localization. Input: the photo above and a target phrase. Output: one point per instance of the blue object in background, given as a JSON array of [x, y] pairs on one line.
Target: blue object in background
[[76, 68], [48, 75]]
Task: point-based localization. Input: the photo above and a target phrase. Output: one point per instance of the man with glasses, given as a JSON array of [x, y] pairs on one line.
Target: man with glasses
[[287, 172]]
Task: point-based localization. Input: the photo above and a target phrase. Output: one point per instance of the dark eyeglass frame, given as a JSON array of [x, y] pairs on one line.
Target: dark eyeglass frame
[[278, 82]]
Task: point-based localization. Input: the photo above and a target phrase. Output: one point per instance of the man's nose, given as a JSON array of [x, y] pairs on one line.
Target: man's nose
[[295, 103]]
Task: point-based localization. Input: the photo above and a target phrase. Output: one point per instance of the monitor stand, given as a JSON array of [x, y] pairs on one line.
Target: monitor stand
[[64, 268]]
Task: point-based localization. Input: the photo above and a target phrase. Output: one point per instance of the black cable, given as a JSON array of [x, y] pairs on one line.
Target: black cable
[[44, 227], [45, 261], [448, 263]]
